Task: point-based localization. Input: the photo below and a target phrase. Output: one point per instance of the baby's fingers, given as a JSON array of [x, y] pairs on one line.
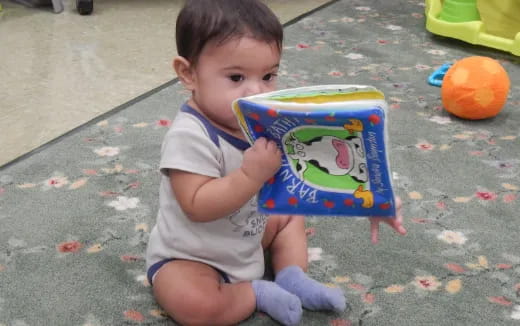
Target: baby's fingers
[[272, 147], [374, 230], [260, 143], [397, 224]]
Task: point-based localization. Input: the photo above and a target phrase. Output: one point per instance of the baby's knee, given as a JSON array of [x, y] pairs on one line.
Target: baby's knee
[[295, 222], [289, 221], [197, 309]]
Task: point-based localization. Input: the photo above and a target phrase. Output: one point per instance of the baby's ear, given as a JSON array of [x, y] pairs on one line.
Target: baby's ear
[[184, 71]]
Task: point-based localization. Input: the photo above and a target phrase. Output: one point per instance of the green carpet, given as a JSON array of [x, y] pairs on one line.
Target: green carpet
[[75, 215]]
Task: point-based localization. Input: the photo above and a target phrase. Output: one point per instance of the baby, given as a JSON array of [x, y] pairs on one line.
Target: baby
[[205, 257]]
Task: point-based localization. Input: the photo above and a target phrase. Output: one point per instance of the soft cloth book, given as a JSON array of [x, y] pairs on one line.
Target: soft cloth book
[[333, 140]]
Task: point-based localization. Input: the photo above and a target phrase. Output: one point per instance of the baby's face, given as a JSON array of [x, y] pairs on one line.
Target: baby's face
[[240, 67]]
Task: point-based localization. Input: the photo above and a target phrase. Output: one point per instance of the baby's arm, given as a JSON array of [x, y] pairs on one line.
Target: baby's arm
[[205, 199]]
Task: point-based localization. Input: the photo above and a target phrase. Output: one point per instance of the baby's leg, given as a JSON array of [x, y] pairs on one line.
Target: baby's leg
[[285, 236], [286, 239], [192, 294]]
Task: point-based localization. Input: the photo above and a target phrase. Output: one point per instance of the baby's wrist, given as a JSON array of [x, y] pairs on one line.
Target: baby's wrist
[[250, 176]]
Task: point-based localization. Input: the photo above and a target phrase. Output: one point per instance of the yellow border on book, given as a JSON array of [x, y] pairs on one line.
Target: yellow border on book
[[331, 97]]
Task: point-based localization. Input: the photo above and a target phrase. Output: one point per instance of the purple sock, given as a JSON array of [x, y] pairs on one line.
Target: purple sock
[[314, 295], [281, 305]]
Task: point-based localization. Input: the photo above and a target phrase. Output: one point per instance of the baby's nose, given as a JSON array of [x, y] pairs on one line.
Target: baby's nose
[[253, 88]]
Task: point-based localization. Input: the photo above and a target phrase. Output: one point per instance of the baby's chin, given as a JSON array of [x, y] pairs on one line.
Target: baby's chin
[[230, 125], [226, 121], [234, 127], [236, 131]]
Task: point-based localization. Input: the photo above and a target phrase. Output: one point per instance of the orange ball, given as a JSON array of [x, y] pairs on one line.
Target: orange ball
[[475, 88]]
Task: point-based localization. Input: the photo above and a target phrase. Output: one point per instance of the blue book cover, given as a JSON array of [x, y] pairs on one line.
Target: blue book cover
[[333, 140]]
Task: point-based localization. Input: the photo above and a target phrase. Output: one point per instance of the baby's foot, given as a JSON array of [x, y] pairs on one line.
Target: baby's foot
[[281, 305], [314, 295]]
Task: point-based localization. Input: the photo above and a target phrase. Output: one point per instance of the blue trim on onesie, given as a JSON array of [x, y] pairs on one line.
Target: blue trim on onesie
[[214, 132], [155, 268]]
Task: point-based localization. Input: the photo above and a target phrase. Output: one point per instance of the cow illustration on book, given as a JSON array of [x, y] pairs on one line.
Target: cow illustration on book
[[330, 154], [328, 157]]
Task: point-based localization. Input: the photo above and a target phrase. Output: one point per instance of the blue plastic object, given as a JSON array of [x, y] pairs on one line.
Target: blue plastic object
[[437, 76]]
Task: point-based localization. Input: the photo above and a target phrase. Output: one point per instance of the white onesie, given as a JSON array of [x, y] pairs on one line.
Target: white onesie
[[230, 244]]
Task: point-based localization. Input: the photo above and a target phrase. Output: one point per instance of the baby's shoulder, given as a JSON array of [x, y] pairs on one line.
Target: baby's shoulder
[[187, 131], [186, 120], [185, 124]]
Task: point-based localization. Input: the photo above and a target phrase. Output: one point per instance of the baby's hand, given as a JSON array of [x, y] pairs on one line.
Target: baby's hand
[[395, 223], [262, 160]]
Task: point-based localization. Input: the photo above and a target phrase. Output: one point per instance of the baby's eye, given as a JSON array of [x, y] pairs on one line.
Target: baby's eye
[[236, 78], [270, 77]]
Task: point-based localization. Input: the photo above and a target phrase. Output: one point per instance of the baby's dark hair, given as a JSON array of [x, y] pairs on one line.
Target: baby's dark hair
[[204, 21]]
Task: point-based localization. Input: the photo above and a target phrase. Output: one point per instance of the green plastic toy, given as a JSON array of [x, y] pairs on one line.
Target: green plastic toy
[[459, 11], [492, 23]]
